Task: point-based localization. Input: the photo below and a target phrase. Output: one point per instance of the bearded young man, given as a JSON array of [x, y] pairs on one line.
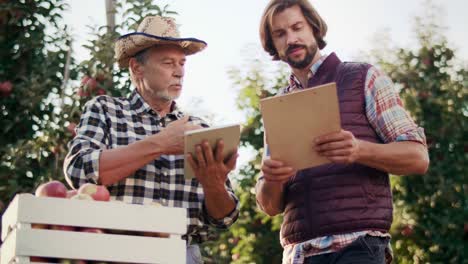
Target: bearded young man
[[135, 145], [339, 212]]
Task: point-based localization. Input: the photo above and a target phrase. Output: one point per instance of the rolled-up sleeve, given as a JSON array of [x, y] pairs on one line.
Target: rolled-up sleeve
[[385, 112], [229, 219], [82, 161]]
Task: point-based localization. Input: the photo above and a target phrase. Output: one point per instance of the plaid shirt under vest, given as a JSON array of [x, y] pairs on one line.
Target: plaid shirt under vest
[[391, 122], [109, 122]]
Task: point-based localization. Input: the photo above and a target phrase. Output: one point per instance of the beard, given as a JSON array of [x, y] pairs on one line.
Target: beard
[[310, 50], [165, 96], [160, 95]]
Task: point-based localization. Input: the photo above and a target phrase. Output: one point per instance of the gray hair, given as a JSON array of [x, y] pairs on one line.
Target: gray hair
[[142, 56]]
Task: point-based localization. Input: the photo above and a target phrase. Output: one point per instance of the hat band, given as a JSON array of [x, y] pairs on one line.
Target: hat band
[[161, 38]]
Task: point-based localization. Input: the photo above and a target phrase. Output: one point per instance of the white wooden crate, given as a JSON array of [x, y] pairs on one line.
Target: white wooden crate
[[21, 241]]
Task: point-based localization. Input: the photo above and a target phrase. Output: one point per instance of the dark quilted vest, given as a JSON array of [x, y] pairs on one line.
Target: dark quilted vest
[[333, 198]]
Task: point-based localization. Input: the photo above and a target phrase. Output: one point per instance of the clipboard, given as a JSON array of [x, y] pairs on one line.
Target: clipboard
[[230, 134], [292, 121]]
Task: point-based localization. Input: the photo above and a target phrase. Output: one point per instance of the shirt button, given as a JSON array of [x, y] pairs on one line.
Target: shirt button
[[307, 247]]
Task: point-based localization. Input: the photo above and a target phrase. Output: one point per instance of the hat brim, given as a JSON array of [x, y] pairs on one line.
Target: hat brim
[[130, 44]]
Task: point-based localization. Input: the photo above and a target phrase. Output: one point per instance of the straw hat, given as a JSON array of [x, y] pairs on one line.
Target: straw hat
[[152, 31]]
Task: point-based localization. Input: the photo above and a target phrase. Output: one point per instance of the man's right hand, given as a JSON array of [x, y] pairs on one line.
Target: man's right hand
[[276, 171], [171, 138], [269, 191]]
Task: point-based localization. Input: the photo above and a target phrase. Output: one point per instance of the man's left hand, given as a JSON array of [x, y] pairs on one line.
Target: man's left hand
[[210, 169], [339, 147]]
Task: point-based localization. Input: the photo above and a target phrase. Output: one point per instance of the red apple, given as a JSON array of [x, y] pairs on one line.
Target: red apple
[[6, 88], [71, 128], [85, 80], [92, 230], [82, 196], [407, 230], [154, 234], [71, 193], [82, 93], [427, 61], [98, 192], [40, 226], [89, 83], [63, 228], [55, 150], [101, 76], [423, 94], [101, 91], [52, 189], [39, 259]]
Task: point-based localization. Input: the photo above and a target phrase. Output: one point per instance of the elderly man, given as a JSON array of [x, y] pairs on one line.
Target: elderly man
[[339, 212], [134, 145]]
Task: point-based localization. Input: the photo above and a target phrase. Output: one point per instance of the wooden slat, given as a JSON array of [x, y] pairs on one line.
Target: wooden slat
[[27, 208], [91, 246]]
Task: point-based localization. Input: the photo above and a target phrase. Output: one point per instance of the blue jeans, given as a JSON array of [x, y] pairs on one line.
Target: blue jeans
[[364, 250], [194, 255]]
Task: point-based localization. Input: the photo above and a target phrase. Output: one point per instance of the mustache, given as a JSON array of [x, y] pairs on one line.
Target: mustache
[[178, 82], [294, 46]]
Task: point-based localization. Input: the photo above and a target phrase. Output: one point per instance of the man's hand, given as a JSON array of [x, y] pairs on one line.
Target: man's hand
[[171, 138], [211, 170], [339, 147], [276, 171], [270, 190]]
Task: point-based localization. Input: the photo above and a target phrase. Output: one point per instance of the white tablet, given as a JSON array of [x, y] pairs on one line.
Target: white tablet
[[230, 134]]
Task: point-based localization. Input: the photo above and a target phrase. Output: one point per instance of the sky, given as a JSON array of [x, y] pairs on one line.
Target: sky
[[231, 30]]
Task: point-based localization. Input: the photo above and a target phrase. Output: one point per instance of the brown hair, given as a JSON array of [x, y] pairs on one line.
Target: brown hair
[[318, 25]]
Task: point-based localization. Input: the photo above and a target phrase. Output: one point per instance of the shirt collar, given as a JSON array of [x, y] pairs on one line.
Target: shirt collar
[[139, 105], [294, 82]]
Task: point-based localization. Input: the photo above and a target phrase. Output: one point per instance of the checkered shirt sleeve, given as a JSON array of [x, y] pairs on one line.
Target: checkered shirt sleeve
[[227, 220], [385, 112], [82, 161]]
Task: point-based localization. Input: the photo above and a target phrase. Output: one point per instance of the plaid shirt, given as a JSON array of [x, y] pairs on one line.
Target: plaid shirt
[[108, 123], [295, 254], [386, 115]]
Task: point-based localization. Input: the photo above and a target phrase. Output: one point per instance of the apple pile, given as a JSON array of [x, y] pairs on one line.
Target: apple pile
[[57, 189], [87, 191]]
